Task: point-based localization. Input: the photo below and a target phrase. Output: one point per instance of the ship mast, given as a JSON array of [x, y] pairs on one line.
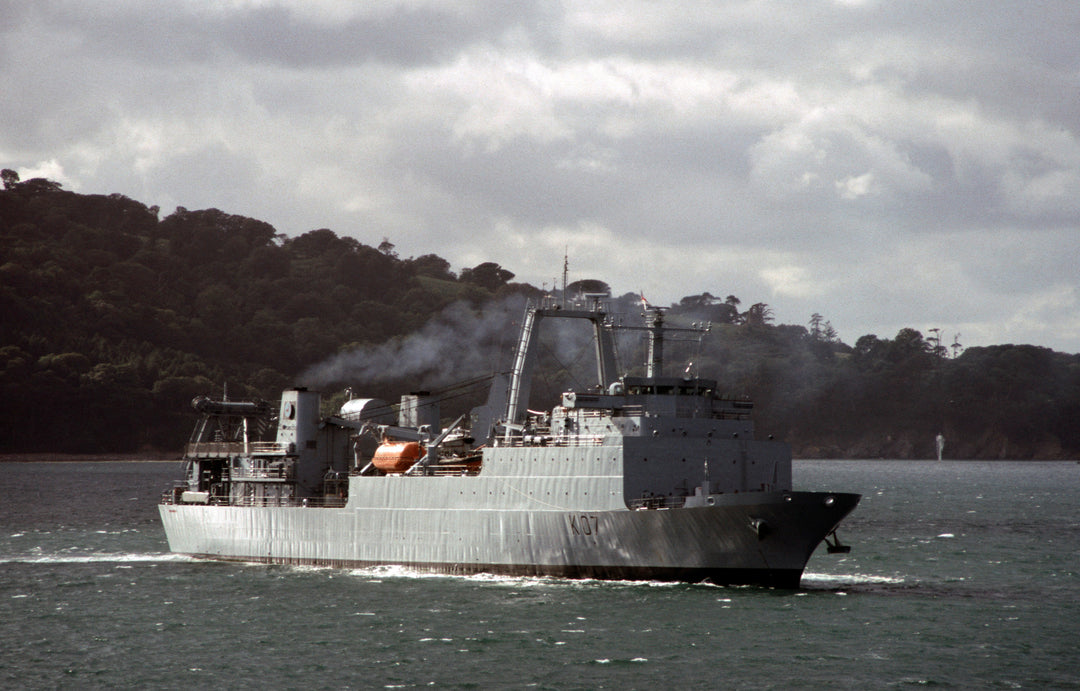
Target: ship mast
[[526, 354], [565, 271], [655, 326], [654, 366]]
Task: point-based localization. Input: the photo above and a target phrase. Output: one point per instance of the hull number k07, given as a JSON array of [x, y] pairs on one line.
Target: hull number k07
[[583, 524]]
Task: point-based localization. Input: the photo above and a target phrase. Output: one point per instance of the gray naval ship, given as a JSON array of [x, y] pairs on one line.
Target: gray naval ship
[[636, 477]]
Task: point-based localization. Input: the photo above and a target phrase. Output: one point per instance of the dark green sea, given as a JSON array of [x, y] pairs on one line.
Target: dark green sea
[[962, 575]]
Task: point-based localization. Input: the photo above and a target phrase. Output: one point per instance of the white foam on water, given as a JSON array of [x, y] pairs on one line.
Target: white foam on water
[[96, 558], [404, 572], [840, 579], [387, 571], [394, 571]]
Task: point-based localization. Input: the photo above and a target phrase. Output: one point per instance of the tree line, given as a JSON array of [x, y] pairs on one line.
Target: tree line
[[114, 318]]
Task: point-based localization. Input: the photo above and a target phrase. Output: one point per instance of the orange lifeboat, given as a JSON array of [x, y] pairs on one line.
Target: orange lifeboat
[[396, 456]]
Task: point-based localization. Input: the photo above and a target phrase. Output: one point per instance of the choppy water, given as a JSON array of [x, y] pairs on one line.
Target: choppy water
[[963, 575]]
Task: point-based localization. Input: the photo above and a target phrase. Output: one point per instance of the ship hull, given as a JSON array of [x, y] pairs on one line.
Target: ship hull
[[752, 538]]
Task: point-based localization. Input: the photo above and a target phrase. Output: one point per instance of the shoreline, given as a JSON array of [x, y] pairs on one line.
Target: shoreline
[[944, 460], [45, 457]]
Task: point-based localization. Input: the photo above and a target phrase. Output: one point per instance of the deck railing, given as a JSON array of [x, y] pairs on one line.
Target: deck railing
[[171, 496], [271, 473], [553, 440], [653, 503], [225, 449], [449, 470]]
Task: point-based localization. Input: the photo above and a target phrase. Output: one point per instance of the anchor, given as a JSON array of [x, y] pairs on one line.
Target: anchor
[[834, 546]]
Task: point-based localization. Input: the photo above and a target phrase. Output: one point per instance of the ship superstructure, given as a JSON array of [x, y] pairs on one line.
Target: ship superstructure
[[634, 477]]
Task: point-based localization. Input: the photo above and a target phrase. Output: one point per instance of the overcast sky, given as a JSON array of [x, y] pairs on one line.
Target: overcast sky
[[883, 163]]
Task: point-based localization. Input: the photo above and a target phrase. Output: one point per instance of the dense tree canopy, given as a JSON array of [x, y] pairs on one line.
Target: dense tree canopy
[[114, 318]]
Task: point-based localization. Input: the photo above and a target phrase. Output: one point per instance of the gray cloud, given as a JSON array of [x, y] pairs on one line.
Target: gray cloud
[[883, 164]]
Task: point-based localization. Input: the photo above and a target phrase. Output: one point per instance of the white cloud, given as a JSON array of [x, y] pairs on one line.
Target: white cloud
[[50, 169], [793, 281], [853, 187]]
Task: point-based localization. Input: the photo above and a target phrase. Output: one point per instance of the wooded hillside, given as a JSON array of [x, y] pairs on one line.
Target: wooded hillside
[[113, 319]]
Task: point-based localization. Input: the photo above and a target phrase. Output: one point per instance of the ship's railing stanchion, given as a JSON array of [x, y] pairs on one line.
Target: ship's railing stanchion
[[654, 503]]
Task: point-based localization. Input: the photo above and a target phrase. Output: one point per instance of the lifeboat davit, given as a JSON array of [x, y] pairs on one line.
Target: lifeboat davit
[[396, 456]]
